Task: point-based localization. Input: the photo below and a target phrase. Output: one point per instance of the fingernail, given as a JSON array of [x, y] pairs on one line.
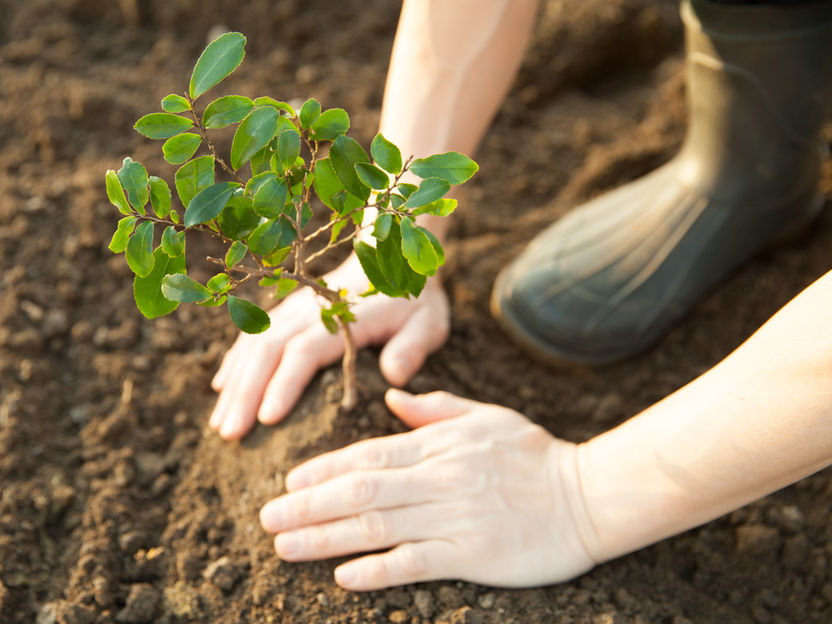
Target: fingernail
[[227, 429], [271, 517], [268, 412], [287, 544], [345, 575]]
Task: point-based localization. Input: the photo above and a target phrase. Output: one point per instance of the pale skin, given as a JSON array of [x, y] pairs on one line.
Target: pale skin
[[477, 492], [444, 86]]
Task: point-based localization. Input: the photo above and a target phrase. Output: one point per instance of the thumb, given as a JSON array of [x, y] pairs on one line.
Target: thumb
[[418, 410], [423, 332]]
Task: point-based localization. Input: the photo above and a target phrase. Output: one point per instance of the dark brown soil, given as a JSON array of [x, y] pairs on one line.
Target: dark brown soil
[[119, 505]]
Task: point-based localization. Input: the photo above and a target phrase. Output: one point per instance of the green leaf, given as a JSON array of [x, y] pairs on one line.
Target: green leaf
[[174, 216], [256, 182], [213, 302], [226, 110], [284, 124], [139, 251], [122, 234], [194, 176], [285, 286], [267, 101], [247, 316], [330, 124], [396, 200], [260, 161], [181, 288], [173, 242], [147, 291], [209, 202], [238, 219], [327, 186], [386, 155], [381, 227], [406, 189], [162, 125], [393, 265], [271, 235], [372, 176], [440, 208], [327, 317], [288, 148], [276, 257], [309, 112], [337, 228], [115, 192], [344, 154], [174, 103], [454, 167], [369, 262], [235, 253], [437, 246], [270, 280], [270, 198], [219, 284], [430, 190], [179, 149], [133, 178], [418, 249], [253, 134], [159, 196], [218, 60]]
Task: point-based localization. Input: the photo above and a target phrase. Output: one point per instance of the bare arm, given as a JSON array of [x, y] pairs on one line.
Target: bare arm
[[452, 64], [451, 67], [758, 421]]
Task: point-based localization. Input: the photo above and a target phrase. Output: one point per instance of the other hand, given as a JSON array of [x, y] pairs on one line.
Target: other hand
[[263, 375], [478, 493]]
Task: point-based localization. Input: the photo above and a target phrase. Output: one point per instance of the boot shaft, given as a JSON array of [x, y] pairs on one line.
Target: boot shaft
[[759, 90]]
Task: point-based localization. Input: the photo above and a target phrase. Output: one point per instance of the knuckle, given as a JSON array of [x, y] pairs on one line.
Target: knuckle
[[362, 490], [299, 511], [410, 560], [370, 456], [438, 396], [375, 527], [377, 572], [299, 345], [316, 538]]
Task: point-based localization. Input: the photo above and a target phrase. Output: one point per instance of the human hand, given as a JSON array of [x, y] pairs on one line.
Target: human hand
[[263, 375], [479, 493]]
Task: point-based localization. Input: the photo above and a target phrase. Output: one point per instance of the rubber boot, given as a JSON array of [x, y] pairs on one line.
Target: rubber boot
[[613, 276]]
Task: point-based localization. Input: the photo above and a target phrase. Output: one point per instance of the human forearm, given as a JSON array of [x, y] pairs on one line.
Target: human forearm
[[451, 66], [758, 421]]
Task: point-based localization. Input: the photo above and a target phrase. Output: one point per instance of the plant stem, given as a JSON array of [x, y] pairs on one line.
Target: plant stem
[[349, 398]]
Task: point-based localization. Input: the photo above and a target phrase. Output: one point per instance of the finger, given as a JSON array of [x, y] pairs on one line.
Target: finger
[[396, 451], [347, 495], [422, 333], [368, 531], [227, 363], [408, 563], [417, 410], [240, 398], [232, 365], [303, 355]]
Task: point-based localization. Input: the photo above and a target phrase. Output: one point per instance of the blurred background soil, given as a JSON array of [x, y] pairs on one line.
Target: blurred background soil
[[119, 505]]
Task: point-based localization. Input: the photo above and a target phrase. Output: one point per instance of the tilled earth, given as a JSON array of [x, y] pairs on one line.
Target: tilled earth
[[119, 505]]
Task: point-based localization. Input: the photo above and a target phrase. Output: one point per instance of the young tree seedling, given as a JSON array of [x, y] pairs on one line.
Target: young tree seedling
[[262, 207]]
